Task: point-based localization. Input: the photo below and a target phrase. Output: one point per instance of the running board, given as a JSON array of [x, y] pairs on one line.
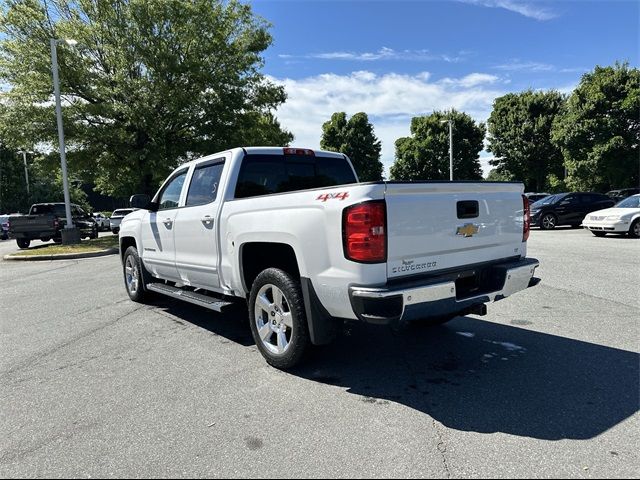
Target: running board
[[205, 301]]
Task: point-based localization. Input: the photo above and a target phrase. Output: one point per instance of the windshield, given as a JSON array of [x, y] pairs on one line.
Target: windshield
[[548, 200], [631, 202]]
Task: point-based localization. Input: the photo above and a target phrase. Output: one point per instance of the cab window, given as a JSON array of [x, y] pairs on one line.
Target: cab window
[[170, 196]]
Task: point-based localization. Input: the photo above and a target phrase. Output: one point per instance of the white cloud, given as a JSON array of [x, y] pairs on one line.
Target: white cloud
[[390, 100], [471, 80], [517, 66], [531, 9], [382, 54]]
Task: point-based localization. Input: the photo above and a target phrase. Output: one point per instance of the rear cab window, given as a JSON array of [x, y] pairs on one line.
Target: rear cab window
[[265, 174]]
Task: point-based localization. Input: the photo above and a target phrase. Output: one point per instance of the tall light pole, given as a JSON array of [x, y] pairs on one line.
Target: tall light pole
[[450, 122], [26, 170], [70, 234]]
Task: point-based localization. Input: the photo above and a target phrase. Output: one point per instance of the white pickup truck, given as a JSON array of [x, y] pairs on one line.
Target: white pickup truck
[[293, 233]]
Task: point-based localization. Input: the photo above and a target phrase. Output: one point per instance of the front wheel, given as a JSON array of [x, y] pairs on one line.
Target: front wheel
[[133, 275], [548, 221], [278, 318], [23, 243], [634, 230]]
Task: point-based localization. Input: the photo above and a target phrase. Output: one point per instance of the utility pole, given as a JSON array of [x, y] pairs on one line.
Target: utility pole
[[450, 122], [26, 170], [70, 234]]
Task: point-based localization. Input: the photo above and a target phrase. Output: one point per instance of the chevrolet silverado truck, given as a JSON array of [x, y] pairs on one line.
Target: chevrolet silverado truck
[[292, 232], [46, 221]]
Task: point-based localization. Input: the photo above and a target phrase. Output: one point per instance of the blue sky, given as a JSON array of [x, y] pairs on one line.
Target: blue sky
[[395, 60]]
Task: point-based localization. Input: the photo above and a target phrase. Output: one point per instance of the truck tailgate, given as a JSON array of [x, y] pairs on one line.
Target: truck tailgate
[[32, 223], [438, 226]]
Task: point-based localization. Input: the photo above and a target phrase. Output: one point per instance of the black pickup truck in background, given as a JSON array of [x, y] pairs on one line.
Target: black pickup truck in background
[[46, 221]]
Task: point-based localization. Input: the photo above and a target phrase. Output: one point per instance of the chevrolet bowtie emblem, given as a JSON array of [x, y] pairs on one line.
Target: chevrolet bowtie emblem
[[468, 230]]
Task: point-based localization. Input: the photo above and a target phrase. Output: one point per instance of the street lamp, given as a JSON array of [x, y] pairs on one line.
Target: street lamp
[[26, 170], [450, 122], [70, 234]]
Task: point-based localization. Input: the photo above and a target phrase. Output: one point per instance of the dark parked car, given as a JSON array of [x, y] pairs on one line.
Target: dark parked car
[[534, 197], [567, 208], [619, 195], [4, 227]]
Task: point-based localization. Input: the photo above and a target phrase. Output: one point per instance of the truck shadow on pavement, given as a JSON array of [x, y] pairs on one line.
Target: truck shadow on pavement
[[479, 376], [469, 375]]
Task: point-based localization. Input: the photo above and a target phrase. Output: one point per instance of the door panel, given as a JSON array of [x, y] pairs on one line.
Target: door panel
[[196, 239], [158, 230], [158, 253]]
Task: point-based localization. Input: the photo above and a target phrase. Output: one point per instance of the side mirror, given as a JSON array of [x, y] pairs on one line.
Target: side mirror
[[140, 201]]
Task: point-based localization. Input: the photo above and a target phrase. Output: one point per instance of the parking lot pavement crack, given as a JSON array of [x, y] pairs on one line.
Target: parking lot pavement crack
[[34, 359], [442, 447], [578, 292]]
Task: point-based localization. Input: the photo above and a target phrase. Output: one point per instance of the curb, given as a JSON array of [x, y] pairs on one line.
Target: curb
[[61, 256]]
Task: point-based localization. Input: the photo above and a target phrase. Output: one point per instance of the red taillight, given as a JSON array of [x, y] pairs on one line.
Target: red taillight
[[299, 151], [526, 211], [364, 230]]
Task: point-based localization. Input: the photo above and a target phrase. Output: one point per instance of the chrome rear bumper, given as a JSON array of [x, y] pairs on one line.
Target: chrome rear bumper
[[449, 294]]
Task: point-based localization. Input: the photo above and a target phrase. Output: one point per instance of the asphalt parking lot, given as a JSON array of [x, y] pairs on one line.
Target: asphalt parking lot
[[546, 385]]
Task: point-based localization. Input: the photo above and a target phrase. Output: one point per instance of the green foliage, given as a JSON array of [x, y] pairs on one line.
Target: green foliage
[[150, 84], [45, 182], [496, 175], [425, 155], [13, 191], [599, 131], [520, 136], [556, 184], [354, 138]]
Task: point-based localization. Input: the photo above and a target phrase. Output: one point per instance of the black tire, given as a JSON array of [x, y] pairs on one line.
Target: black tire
[[45, 239], [634, 229], [94, 233], [550, 223], [23, 243], [293, 303], [598, 233], [140, 294]]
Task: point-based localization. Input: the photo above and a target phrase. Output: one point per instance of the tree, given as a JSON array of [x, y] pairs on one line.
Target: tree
[[354, 138], [425, 155], [45, 182], [599, 131], [149, 85], [496, 175], [520, 137]]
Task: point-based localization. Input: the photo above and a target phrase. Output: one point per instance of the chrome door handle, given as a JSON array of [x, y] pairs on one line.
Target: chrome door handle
[[207, 219], [168, 222]]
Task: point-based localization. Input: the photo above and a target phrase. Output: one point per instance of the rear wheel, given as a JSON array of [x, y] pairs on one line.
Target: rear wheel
[[634, 230], [278, 318], [548, 221], [23, 243], [45, 239], [598, 234]]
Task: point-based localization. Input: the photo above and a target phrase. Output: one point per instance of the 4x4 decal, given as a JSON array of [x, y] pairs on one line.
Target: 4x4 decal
[[330, 196]]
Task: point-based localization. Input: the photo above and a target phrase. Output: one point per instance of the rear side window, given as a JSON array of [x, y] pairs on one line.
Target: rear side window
[[204, 183], [267, 174]]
